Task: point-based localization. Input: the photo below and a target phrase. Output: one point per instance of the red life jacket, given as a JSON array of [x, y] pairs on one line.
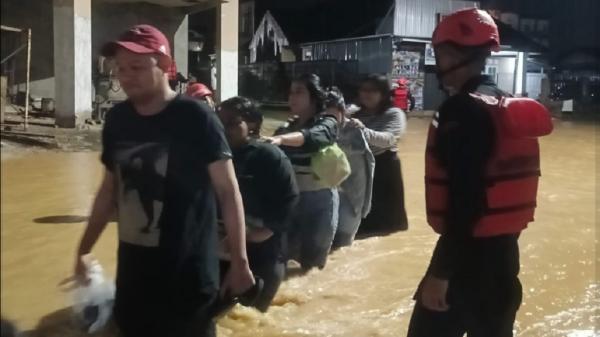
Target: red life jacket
[[512, 172], [401, 98]]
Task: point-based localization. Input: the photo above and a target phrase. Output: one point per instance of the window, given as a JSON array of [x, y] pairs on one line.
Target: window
[[306, 54], [491, 71]]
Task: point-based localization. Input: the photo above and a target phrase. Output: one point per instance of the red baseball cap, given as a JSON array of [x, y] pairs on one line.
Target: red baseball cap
[[140, 39], [198, 90]]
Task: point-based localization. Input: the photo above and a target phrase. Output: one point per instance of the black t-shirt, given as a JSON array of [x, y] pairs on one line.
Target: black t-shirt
[[268, 187], [166, 203]]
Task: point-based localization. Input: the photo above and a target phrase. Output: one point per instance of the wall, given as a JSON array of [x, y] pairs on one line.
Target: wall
[[505, 71], [534, 84], [108, 21]]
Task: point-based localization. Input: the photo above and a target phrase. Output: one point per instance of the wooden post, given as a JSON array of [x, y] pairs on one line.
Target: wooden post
[[27, 77]]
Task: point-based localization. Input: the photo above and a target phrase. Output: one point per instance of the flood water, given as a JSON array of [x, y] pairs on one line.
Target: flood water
[[365, 290]]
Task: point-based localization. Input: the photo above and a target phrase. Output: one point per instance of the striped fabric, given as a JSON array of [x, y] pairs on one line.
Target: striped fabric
[[383, 130]]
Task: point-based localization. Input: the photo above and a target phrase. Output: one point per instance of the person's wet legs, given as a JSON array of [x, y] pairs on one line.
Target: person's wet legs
[[388, 212], [428, 323], [348, 224], [484, 295], [316, 219], [272, 272]]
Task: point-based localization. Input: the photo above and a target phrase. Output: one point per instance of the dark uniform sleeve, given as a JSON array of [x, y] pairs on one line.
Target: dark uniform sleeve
[[279, 188], [465, 142], [321, 134]]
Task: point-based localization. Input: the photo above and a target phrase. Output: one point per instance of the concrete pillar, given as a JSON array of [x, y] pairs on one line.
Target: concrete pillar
[[227, 49], [180, 47], [72, 61]]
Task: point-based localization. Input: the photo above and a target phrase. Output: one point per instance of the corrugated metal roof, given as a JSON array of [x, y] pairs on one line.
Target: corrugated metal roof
[[417, 18]]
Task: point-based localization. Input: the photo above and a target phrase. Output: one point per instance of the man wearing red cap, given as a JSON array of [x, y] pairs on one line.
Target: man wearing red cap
[[482, 168], [166, 157]]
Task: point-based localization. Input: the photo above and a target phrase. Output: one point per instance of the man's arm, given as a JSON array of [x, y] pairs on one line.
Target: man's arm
[[223, 179], [103, 208]]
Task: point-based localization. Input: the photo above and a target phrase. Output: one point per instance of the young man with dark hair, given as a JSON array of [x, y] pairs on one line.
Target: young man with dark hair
[[269, 191], [167, 163]]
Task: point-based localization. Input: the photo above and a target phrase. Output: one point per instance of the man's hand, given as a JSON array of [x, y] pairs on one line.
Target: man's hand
[[81, 269], [356, 123], [237, 280], [433, 294], [273, 140], [258, 235]]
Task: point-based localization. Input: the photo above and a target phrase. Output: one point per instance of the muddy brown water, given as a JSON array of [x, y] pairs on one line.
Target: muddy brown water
[[365, 290]]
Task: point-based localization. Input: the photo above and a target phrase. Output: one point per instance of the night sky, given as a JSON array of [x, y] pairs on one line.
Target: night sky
[[573, 23]]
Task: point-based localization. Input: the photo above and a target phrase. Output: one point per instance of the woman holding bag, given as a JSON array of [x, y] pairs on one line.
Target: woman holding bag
[[309, 131]]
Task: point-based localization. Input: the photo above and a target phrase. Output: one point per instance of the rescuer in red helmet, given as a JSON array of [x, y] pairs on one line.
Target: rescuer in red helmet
[[482, 169], [403, 98]]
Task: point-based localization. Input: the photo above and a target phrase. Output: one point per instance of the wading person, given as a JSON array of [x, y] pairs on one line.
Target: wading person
[[355, 191], [403, 98], [482, 169], [269, 191], [167, 267], [202, 92], [382, 125], [315, 218]]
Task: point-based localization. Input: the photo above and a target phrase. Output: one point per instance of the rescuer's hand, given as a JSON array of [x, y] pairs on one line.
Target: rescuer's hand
[[433, 293]]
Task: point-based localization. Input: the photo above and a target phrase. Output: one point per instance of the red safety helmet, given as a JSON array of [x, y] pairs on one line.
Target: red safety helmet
[[198, 90], [402, 81], [468, 27]]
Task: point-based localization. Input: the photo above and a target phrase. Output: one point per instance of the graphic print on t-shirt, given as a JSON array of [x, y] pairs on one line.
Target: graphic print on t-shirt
[[141, 173]]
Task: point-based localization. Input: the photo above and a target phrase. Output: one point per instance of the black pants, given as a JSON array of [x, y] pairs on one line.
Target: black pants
[[272, 273], [484, 296], [141, 322], [271, 270], [388, 213]]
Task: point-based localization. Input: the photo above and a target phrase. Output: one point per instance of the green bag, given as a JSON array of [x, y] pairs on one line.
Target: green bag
[[330, 166]]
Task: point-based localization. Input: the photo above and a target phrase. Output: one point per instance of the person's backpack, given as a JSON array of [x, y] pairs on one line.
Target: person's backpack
[[330, 166]]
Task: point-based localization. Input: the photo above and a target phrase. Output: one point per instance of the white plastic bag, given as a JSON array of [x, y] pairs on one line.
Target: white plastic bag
[[93, 303]]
